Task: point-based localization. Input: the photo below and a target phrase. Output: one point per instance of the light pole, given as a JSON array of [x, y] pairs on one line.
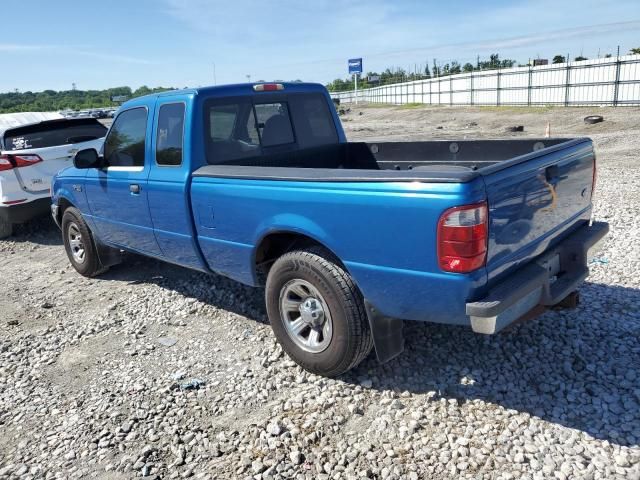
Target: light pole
[[215, 81]]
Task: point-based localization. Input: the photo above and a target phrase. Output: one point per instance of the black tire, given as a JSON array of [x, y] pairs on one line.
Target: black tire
[[90, 266], [6, 229], [591, 119], [351, 340]]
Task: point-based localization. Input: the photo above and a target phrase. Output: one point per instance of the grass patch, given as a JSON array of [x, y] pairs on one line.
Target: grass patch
[[408, 106]]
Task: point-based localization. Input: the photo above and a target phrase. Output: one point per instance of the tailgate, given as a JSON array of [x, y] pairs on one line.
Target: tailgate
[[535, 201]]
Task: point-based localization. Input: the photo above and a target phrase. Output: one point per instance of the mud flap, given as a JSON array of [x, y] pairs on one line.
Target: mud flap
[[108, 256], [388, 339]]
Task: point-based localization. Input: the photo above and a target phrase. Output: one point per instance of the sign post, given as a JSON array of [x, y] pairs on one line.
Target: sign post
[[355, 68]]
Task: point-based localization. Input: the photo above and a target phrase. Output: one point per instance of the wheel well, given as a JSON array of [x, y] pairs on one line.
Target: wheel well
[[274, 245]]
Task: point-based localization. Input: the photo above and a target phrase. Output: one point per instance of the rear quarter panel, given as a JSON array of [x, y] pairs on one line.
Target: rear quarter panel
[[384, 233]]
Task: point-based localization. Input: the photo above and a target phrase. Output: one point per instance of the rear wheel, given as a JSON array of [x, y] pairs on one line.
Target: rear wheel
[[6, 229], [317, 313], [79, 245]]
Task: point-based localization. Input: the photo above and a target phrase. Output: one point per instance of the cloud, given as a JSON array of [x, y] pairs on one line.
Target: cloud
[[11, 47], [94, 53], [85, 51]]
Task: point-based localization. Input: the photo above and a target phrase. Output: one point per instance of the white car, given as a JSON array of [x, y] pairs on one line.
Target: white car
[[31, 153]]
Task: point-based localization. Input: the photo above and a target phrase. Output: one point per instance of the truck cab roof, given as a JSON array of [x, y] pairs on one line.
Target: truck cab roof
[[238, 89]]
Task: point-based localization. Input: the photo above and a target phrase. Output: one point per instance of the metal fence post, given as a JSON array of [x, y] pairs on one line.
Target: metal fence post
[[616, 87], [498, 88], [529, 88], [567, 82], [472, 87], [450, 90]]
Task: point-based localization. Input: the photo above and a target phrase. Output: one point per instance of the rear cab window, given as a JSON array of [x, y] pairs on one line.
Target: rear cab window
[[246, 127], [53, 134]]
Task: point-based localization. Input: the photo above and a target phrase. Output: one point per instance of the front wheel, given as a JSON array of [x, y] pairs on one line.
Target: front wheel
[[317, 313], [79, 245]]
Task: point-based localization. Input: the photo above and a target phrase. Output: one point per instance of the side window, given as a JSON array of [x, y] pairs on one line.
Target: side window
[[125, 143], [170, 134], [274, 123]]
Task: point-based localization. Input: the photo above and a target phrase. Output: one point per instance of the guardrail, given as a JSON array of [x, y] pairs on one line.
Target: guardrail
[[606, 81]]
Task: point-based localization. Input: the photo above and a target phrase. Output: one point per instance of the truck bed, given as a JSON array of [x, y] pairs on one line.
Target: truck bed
[[538, 192], [438, 161]]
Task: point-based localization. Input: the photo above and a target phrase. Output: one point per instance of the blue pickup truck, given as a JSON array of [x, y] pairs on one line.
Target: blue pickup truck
[[258, 182]]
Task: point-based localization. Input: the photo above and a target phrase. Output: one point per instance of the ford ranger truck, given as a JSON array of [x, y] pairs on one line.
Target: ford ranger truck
[[257, 182]]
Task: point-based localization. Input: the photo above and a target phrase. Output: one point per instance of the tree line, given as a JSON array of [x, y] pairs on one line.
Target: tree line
[[51, 100], [399, 75]]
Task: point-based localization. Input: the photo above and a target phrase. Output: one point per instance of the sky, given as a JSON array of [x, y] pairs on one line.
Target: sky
[[186, 43]]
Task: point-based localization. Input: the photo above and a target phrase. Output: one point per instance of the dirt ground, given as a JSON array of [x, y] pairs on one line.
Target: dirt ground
[[88, 389]]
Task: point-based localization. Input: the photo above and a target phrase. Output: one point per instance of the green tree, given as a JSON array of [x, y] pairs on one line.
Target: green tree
[[559, 59], [467, 67], [50, 100], [579, 58], [635, 51]]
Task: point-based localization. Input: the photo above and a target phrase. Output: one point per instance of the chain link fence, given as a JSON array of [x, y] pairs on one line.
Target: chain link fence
[[613, 81]]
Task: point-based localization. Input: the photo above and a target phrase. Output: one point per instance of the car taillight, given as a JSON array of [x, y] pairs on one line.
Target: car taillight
[[7, 162], [462, 238]]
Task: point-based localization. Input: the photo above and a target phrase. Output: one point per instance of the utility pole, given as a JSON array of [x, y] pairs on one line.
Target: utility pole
[[215, 81]]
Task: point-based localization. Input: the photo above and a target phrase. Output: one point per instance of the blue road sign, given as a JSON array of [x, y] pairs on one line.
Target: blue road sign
[[355, 65]]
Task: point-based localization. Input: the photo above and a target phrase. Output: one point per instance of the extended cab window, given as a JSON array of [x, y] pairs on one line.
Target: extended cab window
[[125, 143], [170, 134]]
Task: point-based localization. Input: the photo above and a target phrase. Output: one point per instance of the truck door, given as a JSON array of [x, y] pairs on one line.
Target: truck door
[[117, 194], [169, 181]]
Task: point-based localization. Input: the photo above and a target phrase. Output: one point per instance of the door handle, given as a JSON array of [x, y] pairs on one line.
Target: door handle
[[134, 188]]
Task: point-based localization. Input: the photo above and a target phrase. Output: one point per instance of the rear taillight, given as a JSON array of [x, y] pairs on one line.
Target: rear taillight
[[7, 162], [462, 238]]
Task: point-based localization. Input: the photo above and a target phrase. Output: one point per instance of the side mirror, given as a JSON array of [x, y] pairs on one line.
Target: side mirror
[[87, 158]]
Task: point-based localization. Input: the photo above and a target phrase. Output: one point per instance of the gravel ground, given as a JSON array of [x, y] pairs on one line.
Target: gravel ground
[[153, 370]]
